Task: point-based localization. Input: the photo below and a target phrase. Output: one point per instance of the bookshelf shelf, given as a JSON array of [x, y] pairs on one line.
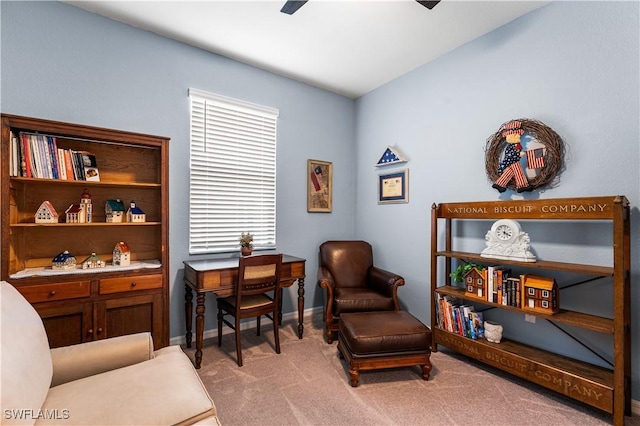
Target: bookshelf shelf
[[606, 389], [81, 305]]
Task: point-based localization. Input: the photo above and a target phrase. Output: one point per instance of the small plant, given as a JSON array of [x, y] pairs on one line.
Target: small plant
[[246, 240], [462, 270]]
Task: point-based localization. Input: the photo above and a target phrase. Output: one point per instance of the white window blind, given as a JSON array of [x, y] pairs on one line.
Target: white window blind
[[232, 173]]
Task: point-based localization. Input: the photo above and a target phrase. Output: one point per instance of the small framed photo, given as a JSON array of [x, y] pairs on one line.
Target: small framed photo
[[319, 191], [393, 187]]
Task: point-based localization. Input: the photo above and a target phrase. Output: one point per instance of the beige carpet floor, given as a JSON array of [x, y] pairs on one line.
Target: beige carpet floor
[[307, 384]]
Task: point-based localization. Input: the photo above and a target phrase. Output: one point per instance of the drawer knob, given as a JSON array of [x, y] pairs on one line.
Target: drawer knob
[[133, 284], [52, 293], [90, 332], [99, 330]]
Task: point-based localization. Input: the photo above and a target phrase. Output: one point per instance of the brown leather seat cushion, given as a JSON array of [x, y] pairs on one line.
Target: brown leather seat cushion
[[384, 332], [360, 299]]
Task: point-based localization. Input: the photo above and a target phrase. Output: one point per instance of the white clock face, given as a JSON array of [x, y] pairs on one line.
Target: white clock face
[[504, 232]]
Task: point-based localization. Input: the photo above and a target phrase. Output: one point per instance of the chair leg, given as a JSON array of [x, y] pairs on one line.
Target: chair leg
[[258, 325], [220, 315], [238, 346], [276, 329]]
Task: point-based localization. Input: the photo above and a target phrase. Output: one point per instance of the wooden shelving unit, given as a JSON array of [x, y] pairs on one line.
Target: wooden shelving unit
[[85, 305], [606, 389]]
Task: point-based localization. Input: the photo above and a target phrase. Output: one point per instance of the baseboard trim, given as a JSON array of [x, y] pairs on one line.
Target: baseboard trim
[[208, 334]]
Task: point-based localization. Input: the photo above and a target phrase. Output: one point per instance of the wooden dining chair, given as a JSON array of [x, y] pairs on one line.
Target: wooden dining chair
[[257, 293]]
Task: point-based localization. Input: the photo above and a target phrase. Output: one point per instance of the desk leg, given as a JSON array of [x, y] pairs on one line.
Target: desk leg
[[188, 312], [199, 327], [300, 307]]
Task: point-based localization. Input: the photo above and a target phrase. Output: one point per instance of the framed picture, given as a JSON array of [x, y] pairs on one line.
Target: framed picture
[[319, 190], [394, 187]]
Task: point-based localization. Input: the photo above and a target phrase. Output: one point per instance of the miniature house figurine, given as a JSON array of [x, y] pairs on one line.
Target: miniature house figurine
[[114, 211], [64, 260], [121, 254], [46, 213], [540, 294], [135, 214], [93, 262], [475, 282], [80, 213], [85, 203]]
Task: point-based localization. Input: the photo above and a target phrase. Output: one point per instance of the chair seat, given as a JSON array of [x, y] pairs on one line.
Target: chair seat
[[249, 302], [360, 299]]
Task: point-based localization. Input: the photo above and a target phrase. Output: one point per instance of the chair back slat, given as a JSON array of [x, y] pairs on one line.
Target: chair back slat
[[258, 274]]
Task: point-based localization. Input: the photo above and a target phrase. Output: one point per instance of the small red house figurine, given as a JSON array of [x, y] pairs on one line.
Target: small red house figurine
[[475, 283], [540, 294], [46, 213]]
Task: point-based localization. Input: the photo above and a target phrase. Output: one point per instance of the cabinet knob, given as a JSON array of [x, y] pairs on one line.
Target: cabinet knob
[[52, 293], [90, 332], [99, 330], [133, 284]]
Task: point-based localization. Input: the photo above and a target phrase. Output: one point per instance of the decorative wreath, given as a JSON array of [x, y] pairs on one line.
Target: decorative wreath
[[553, 152]]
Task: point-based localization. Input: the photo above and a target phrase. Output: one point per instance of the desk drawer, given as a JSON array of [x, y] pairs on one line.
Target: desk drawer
[[124, 284], [55, 291]]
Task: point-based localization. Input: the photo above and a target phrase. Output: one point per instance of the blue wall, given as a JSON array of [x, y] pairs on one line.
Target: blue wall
[[62, 63], [572, 65]]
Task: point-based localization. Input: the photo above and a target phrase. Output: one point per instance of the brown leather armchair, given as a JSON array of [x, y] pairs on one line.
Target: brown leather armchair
[[352, 283]]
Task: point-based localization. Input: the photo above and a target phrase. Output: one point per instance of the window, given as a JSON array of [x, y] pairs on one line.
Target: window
[[232, 186]]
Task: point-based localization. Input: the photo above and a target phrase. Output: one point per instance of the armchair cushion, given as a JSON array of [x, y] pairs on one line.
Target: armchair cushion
[[137, 394], [354, 299], [78, 361], [26, 361]]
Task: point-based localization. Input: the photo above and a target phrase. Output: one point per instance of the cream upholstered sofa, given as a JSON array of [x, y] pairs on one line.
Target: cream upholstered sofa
[[117, 381]]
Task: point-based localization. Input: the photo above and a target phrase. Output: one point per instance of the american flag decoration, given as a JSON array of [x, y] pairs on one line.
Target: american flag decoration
[[317, 171], [535, 158], [391, 156]]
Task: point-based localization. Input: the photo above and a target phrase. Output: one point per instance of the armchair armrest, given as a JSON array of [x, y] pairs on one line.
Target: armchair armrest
[[325, 279], [86, 359], [386, 283]]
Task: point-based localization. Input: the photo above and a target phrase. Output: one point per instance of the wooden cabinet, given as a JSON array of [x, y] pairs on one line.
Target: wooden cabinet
[[608, 389], [80, 305]]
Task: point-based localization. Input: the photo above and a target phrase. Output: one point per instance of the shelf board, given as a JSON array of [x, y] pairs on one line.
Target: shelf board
[[577, 319], [579, 380], [92, 224], [90, 183], [603, 271]]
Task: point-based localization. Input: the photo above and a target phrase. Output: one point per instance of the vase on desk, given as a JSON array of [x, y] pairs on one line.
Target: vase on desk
[[246, 251]]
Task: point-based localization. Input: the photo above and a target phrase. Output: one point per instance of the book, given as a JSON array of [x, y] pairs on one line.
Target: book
[[90, 166], [478, 324]]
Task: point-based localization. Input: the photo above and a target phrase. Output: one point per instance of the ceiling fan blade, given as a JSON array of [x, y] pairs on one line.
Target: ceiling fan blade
[[428, 4], [290, 7]]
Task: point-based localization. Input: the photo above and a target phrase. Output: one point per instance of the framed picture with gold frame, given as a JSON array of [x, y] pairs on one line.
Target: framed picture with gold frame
[[319, 186], [393, 187]]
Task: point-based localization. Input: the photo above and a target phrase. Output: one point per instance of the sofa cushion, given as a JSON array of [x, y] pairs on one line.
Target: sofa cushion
[[26, 359], [164, 390]]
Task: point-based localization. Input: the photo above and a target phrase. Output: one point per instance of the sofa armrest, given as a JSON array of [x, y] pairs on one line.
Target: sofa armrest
[[86, 359], [386, 283]]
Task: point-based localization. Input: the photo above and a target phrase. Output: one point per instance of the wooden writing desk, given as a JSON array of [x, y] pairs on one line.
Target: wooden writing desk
[[218, 276]]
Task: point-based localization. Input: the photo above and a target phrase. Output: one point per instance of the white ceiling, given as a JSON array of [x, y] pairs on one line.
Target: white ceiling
[[349, 47]]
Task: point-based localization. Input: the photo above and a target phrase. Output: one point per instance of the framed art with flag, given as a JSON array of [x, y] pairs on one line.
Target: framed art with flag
[[319, 186], [393, 187]]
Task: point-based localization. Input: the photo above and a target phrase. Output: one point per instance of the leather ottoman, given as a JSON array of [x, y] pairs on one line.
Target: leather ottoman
[[385, 339]]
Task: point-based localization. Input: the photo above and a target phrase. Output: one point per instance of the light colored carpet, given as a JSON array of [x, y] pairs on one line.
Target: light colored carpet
[[307, 384]]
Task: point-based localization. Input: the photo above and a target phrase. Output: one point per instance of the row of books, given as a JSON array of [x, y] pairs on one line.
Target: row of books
[[502, 287], [38, 156], [455, 317]]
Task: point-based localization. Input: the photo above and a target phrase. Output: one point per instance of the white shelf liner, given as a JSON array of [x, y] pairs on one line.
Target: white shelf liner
[[48, 271]]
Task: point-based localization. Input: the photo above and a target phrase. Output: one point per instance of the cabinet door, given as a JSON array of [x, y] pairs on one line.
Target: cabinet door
[[67, 324], [129, 315]]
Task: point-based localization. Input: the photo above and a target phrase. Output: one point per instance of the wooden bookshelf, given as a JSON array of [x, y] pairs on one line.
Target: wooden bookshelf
[[603, 388], [84, 305]]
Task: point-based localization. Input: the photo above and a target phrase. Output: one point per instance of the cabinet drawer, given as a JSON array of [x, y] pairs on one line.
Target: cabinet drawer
[[123, 284], [55, 291]]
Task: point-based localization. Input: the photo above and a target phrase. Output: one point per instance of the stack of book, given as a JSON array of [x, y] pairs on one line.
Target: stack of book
[[38, 156], [456, 317]]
